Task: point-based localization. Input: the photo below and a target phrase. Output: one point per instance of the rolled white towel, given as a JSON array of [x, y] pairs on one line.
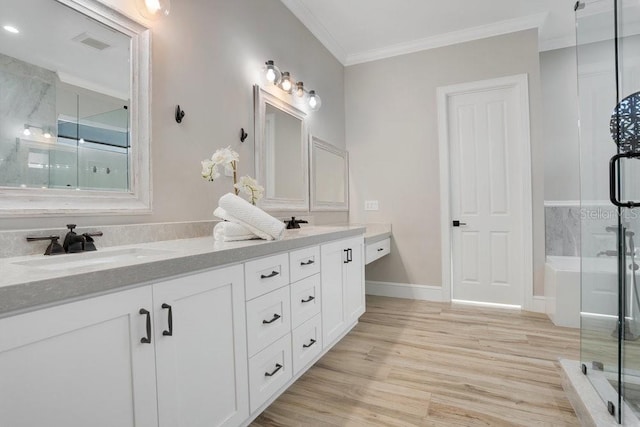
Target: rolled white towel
[[232, 232], [223, 214], [248, 214]]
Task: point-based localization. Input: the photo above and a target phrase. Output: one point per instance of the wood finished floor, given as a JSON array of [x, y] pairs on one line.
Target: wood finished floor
[[433, 364]]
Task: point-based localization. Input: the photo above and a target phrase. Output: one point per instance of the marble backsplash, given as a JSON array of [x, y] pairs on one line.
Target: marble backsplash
[[562, 230]]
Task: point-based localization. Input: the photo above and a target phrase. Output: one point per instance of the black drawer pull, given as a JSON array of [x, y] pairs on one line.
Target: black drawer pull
[[147, 339], [275, 317], [350, 255], [273, 274], [309, 299], [347, 252], [168, 333], [312, 342], [308, 262], [380, 249], [278, 367]]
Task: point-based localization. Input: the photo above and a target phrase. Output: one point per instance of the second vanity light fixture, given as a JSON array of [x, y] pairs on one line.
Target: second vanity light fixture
[[285, 81]]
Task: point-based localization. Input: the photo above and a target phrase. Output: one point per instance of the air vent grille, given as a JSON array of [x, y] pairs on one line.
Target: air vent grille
[[91, 41]]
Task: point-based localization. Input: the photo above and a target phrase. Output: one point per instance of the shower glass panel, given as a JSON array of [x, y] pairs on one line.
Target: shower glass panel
[[608, 52]]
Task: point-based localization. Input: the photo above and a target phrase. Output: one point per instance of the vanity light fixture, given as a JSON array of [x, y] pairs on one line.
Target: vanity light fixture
[[11, 29], [285, 81], [30, 130], [154, 9]]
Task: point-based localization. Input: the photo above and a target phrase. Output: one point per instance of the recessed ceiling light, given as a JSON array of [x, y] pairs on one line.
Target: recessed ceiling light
[[11, 29]]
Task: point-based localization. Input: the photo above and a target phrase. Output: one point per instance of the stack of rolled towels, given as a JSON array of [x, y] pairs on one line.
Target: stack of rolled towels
[[243, 221]]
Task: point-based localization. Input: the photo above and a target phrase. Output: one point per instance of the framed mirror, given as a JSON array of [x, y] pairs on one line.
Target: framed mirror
[[75, 121], [281, 153], [329, 177]]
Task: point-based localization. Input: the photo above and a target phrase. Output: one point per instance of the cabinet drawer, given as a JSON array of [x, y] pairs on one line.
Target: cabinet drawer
[[377, 250], [305, 300], [266, 274], [268, 318], [269, 370], [304, 263], [307, 343]]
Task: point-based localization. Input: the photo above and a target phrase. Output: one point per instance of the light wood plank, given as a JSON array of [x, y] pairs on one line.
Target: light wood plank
[[435, 364]]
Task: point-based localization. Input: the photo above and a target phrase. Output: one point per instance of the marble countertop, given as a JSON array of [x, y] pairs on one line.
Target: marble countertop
[[33, 281]]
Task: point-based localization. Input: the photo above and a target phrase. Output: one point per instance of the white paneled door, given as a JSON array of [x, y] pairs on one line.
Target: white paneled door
[[487, 175]]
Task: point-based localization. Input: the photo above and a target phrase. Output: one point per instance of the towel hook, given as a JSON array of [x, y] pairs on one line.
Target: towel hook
[[179, 114], [243, 135]]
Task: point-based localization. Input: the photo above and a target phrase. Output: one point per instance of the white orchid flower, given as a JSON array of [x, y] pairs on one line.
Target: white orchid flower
[[250, 187]]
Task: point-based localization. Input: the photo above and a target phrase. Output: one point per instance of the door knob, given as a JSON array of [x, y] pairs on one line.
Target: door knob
[[457, 223]]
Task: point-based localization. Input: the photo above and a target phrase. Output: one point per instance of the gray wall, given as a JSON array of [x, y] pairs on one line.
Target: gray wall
[[392, 138], [206, 57], [560, 124]]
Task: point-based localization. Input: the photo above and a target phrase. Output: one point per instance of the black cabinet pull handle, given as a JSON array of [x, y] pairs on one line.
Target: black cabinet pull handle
[[273, 274], [278, 367], [380, 249], [312, 342], [168, 333], [349, 255], [308, 262], [147, 339], [347, 252], [311, 298], [275, 317]]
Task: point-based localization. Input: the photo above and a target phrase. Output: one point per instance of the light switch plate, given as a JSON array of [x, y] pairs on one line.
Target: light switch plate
[[371, 205]]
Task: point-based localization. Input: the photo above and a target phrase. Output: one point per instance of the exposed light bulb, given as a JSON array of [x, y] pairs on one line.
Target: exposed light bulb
[[26, 131], [47, 134], [286, 84], [152, 9], [11, 29], [152, 5], [300, 89], [271, 75], [314, 100]]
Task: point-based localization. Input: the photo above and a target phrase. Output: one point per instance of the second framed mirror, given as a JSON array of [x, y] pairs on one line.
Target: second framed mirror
[[329, 177]]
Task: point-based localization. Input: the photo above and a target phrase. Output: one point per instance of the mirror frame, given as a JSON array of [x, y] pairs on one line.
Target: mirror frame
[[138, 200], [261, 99], [316, 205]]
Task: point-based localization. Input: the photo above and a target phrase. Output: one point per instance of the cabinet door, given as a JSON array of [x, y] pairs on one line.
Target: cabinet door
[[334, 320], [202, 365], [79, 364], [354, 280]]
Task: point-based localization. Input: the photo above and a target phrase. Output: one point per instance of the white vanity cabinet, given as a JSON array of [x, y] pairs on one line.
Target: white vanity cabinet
[[201, 349], [80, 364], [342, 286]]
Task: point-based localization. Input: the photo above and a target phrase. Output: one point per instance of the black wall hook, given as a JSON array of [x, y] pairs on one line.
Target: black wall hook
[[243, 135], [179, 114]]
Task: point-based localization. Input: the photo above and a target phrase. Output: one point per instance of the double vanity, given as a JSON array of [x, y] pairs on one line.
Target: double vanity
[[184, 332]]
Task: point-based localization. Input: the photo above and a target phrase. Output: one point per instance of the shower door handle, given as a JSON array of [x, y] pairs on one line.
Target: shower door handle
[[612, 180]]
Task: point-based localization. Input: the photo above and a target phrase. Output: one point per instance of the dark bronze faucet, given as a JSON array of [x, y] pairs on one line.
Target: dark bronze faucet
[[73, 242]]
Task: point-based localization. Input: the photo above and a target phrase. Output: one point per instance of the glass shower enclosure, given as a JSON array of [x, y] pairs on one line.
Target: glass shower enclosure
[[608, 65]]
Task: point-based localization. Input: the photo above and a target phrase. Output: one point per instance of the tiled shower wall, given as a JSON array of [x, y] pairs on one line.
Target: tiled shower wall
[[582, 230]]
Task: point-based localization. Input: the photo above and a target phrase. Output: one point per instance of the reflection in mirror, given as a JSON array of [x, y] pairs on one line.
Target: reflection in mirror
[[281, 153], [74, 76], [329, 177]]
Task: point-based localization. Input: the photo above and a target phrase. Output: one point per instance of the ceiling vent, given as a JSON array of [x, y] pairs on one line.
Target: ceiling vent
[[91, 41]]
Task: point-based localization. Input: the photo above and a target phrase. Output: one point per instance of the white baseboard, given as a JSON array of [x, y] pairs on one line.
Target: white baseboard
[[404, 290], [539, 304]]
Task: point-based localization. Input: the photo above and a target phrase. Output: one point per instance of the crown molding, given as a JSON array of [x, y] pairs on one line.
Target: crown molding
[[568, 40], [316, 28], [447, 39]]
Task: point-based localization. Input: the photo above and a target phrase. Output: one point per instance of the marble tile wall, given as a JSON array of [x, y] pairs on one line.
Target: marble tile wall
[[13, 243], [582, 230], [27, 96]]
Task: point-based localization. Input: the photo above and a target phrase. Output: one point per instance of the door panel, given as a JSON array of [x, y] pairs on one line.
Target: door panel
[[484, 192]]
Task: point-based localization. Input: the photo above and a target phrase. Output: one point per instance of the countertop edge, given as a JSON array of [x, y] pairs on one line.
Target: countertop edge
[[30, 296], [377, 238]]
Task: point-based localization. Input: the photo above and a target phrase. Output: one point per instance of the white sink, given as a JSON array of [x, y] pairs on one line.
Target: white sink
[[79, 260]]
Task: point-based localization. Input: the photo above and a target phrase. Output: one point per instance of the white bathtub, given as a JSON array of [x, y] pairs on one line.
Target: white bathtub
[[562, 289]]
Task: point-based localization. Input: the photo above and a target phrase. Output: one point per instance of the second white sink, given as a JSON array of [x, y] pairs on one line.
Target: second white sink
[[73, 261]]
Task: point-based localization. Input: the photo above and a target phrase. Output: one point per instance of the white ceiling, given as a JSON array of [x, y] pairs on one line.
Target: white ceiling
[[46, 39], [358, 31]]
